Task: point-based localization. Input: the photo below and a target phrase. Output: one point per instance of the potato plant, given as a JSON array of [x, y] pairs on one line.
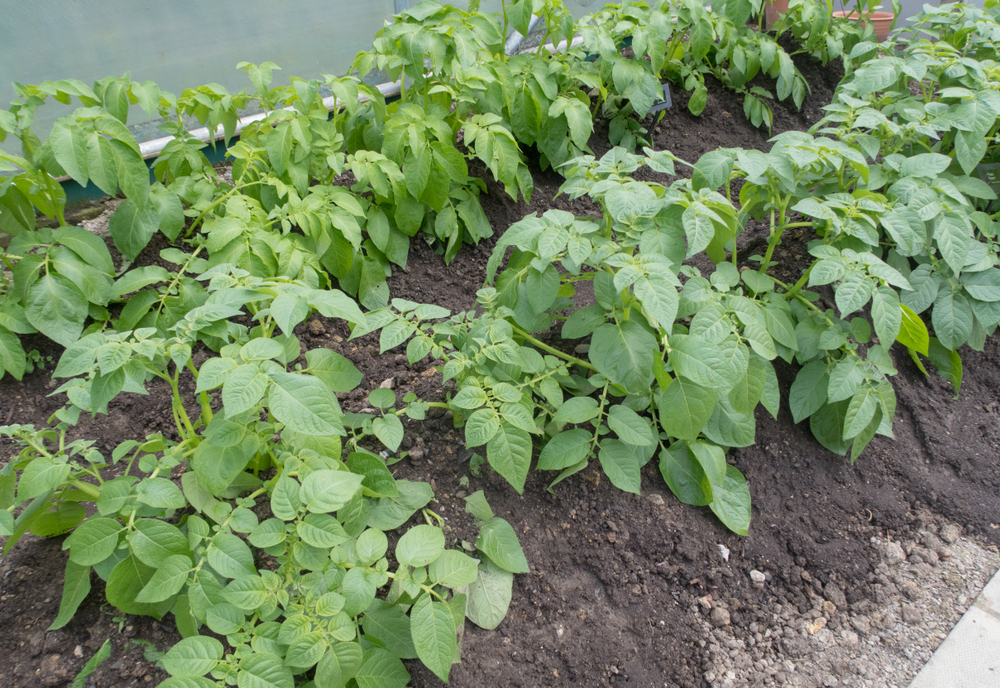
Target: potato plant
[[662, 362], [189, 549]]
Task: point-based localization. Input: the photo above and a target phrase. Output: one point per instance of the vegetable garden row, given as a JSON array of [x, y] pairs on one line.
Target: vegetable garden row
[[323, 205]]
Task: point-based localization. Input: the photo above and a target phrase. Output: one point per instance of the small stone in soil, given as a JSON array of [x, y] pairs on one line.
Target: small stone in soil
[[719, 617], [893, 553]]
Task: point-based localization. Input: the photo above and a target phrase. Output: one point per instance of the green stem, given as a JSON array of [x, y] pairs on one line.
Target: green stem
[[555, 352], [216, 203], [90, 490], [801, 283]]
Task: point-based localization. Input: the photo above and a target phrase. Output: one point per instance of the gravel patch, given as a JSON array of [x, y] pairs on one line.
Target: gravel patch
[[923, 589]]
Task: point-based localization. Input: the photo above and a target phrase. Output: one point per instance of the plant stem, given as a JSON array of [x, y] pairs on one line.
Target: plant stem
[[556, 352]]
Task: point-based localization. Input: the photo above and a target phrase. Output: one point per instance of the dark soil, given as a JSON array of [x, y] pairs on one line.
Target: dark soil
[[613, 575]]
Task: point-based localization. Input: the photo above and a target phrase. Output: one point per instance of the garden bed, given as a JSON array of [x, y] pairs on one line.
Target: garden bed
[[619, 587]]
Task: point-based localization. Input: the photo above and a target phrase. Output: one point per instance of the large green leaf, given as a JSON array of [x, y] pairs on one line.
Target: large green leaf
[[379, 669], [56, 308], [327, 490], [685, 475], [732, 502], [305, 405], [125, 583], [336, 372], [685, 408], [433, 629], [76, 587], [509, 454], [420, 545], [170, 577], [809, 391], [94, 541], [489, 595], [498, 541], [192, 657], [624, 353], [622, 464], [264, 670], [132, 226]]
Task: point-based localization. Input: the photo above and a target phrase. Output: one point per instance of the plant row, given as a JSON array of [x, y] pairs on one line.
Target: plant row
[[674, 362]]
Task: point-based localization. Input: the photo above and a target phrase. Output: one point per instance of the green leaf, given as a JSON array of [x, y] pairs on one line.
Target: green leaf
[[102, 654], [56, 308], [748, 391], [217, 467], [912, 332], [453, 569], [732, 502], [285, 499], [433, 630], [481, 427], [953, 234], [390, 624], [12, 356], [246, 593], [264, 670], [860, 411], [132, 226], [630, 427], [170, 577], [952, 318], [685, 475], [489, 596], [154, 540], [712, 171], [379, 669], [577, 410], [76, 587], [93, 541], [326, 490], [321, 530], [192, 657], [498, 541], [377, 477], [887, 315], [809, 391], [388, 513], [230, 556], [40, 476], [622, 464], [87, 245], [509, 453], [948, 363], [306, 650], [125, 583], [568, 448], [243, 388], [420, 545], [160, 493], [389, 431], [729, 427], [853, 293], [624, 354], [685, 408], [710, 364], [659, 297], [305, 405], [583, 322], [339, 665], [69, 146]]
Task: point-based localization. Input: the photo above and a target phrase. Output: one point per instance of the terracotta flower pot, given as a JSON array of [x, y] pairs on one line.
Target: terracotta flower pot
[[774, 9], [881, 21]]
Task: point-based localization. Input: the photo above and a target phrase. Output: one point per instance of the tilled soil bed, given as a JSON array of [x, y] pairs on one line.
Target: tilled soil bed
[[627, 590]]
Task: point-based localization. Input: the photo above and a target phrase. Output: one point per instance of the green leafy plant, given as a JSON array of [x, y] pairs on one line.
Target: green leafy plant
[[164, 547]]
